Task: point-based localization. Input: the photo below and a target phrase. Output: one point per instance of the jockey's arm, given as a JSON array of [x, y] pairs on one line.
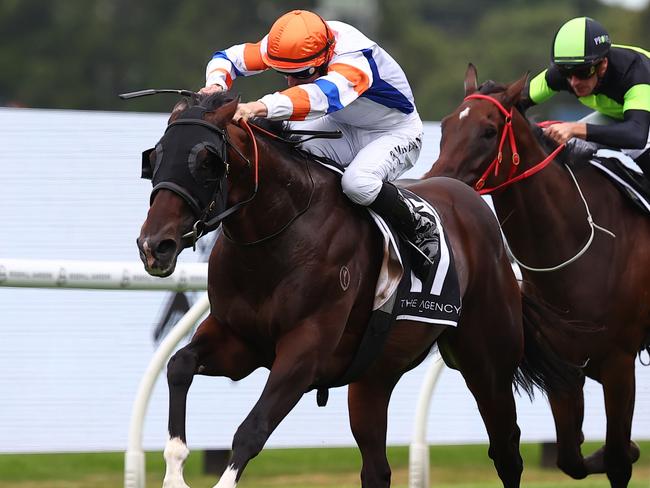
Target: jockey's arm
[[348, 77], [537, 91], [240, 60], [630, 133]]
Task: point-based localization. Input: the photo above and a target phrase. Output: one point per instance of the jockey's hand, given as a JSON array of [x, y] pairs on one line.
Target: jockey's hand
[[208, 90], [251, 109], [563, 131]]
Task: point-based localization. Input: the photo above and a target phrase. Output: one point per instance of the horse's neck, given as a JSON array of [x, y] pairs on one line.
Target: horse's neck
[[286, 187], [540, 214]]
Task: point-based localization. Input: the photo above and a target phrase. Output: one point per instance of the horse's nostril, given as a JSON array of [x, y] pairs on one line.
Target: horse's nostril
[[166, 248]]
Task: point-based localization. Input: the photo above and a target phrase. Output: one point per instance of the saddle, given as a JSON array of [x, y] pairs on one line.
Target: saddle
[[623, 173]]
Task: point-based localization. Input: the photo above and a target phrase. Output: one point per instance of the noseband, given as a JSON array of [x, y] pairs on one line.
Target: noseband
[[509, 133]]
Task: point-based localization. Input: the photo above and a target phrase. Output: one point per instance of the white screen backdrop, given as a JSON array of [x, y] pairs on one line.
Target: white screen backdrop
[[71, 360]]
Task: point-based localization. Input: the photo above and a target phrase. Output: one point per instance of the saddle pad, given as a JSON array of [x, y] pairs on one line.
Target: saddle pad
[[626, 176], [435, 300], [401, 293]]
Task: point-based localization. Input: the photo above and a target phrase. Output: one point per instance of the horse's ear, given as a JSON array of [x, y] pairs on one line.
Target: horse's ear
[[471, 79], [179, 108], [515, 90], [224, 114]]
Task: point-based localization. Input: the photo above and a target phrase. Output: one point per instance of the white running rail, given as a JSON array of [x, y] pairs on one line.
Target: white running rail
[[98, 275], [114, 275], [134, 465], [118, 275], [419, 448]]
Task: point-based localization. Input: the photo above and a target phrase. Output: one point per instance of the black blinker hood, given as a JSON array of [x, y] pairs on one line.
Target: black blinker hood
[[175, 165]]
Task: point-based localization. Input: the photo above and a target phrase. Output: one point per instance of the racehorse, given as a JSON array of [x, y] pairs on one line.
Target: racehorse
[[559, 222], [278, 299]]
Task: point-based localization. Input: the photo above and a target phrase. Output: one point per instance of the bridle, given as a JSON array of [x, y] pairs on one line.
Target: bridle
[[203, 224], [508, 133]]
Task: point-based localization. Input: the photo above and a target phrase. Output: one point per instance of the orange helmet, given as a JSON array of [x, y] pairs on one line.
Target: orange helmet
[[298, 40]]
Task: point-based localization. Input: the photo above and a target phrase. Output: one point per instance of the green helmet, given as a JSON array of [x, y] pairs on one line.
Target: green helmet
[[580, 41]]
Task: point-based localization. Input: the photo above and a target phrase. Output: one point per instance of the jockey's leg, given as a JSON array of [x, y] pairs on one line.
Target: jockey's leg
[[365, 183], [340, 150]]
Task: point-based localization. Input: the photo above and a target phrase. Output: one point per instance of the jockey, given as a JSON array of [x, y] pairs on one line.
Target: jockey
[[338, 79], [613, 80]]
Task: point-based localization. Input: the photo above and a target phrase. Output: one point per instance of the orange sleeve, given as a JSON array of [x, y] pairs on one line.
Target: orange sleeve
[[226, 74], [355, 76], [300, 101], [253, 57]]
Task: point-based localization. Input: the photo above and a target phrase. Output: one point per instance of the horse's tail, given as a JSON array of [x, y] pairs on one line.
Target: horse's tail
[[541, 365]]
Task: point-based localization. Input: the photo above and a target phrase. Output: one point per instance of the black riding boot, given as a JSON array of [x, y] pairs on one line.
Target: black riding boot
[[415, 227]]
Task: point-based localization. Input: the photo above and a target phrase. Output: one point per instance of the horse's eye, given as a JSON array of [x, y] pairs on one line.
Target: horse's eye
[[489, 133]]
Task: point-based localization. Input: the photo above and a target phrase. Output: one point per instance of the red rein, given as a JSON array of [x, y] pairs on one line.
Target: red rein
[[509, 133]]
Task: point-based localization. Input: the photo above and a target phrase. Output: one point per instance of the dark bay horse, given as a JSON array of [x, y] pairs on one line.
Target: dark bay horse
[[577, 267], [278, 300]]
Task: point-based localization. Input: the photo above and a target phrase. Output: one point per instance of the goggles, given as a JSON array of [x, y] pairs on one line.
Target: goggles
[[583, 72], [301, 75]]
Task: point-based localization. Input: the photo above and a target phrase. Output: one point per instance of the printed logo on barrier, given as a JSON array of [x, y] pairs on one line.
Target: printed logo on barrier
[[62, 278], [126, 279], [182, 281]]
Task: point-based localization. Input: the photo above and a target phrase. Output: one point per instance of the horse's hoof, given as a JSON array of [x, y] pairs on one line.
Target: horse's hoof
[[577, 470], [174, 482], [596, 462]]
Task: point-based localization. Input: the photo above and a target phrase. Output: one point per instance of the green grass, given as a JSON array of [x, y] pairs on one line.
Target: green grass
[[451, 467]]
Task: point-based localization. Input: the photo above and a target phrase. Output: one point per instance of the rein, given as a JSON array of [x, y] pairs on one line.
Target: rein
[[592, 225], [509, 133]]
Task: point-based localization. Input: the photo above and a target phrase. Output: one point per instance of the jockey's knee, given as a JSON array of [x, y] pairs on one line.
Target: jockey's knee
[[360, 187]]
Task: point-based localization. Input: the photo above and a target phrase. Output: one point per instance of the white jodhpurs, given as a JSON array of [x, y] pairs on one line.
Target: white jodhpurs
[[370, 156]]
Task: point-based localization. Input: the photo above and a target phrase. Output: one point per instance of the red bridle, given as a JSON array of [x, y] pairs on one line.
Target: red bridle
[[508, 132]]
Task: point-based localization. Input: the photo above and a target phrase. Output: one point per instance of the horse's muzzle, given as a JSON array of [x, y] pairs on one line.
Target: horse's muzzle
[[158, 255]]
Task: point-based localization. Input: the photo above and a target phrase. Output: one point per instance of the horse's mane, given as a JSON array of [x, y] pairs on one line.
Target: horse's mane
[[279, 128], [548, 144]]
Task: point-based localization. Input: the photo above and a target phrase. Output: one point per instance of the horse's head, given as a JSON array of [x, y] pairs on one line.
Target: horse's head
[[476, 133], [187, 168]]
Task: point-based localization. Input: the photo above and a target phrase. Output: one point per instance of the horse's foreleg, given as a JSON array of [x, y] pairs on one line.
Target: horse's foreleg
[[368, 406], [568, 413], [213, 351], [617, 378], [292, 373]]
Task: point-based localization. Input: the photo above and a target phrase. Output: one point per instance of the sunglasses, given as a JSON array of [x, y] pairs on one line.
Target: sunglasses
[[301, 75], [580, 72]]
